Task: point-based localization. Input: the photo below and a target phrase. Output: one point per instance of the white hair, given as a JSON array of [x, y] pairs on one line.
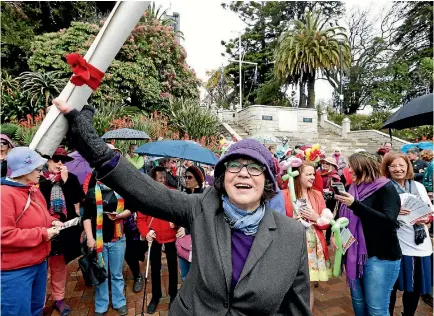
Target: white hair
[[358, 150]]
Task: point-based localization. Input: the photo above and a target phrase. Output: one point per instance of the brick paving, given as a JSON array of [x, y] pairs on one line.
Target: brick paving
[[332, 298]]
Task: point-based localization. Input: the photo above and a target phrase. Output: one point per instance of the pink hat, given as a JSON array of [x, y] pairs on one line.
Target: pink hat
[[6, 138]]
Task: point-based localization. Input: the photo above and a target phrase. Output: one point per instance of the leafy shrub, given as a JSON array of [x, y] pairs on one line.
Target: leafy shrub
[[189, 118], [9, 129]]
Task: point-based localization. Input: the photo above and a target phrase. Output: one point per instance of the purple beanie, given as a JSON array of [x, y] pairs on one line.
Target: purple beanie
[[248, 148]]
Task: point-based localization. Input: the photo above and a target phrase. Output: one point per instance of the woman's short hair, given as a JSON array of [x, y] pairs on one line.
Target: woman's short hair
[[365, 166], [390, 158], [297, 180], [427, 155], [268, 194]]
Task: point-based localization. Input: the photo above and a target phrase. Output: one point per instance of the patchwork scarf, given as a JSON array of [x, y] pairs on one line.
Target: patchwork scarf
[[99, 219], [247, 222], [57, 198]]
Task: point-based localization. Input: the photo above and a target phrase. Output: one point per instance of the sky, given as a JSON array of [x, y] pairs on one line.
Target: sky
[[205, 24]]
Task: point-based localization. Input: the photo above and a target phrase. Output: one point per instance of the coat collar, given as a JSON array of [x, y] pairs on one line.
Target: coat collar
[[261, 243]]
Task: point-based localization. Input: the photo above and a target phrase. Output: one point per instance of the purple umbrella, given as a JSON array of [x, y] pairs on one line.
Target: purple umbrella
[[79, 166]]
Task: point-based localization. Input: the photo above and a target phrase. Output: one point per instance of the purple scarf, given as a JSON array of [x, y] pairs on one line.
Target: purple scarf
[[356, 255]]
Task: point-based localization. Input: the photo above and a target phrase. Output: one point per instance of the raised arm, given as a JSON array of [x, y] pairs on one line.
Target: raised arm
[[115, 171], [150, 197]]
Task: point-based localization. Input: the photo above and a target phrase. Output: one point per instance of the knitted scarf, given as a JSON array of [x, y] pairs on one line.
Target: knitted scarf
[[99, 219], [57, 198], [357, 254], [247, 222]]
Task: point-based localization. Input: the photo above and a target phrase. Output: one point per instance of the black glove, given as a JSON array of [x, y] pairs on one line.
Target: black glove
[[84, 138]]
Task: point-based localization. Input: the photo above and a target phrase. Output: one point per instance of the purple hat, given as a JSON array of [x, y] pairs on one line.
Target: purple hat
[[6, 138], [248, 148]]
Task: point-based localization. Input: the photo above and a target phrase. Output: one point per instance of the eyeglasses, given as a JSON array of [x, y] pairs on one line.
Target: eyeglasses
[[4, 143], [397, 166], [57, 160], [253, 169], [188, 177], [39, 170]]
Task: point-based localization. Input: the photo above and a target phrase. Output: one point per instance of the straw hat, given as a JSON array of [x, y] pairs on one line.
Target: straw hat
[[330, 161]]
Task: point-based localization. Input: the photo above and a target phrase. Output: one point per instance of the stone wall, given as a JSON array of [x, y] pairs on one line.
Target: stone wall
[[278, 121], [377, 135]]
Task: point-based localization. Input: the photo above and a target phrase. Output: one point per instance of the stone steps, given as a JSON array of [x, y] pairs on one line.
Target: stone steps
[[328, 141]]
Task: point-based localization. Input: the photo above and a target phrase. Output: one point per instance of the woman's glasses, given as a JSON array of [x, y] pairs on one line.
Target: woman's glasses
[[39, 170], [188, 177], [253, 169], [4, 143], [56, 160]]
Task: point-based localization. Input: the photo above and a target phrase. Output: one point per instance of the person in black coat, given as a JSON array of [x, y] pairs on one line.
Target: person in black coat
[[63, 193]]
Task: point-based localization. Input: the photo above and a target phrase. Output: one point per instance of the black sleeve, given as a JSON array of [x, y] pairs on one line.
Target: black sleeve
[[89, 210], [74, 189], [386, 209]]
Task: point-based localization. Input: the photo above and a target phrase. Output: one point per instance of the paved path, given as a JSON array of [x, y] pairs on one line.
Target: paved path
[[332, 298]]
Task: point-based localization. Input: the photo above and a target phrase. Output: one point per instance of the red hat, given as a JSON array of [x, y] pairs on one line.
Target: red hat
[[62, 155]]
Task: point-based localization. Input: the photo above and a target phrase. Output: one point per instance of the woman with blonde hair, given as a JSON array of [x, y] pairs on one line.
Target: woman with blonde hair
[[415, 276], [312, 206], [372, 263]]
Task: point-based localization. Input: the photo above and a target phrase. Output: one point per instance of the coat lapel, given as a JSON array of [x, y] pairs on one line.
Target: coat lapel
[[223, 232], [262, 241]]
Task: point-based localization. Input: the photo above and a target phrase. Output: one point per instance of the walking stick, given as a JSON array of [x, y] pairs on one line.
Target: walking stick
[[146, 277]]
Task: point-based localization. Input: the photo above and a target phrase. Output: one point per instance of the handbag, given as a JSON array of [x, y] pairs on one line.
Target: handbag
[[93, 274], [184, 247], [419, 233]]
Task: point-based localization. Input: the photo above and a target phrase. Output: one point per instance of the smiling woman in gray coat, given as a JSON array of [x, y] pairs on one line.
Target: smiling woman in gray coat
[[247, 259]]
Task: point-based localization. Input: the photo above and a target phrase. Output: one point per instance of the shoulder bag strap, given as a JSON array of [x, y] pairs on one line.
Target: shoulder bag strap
[[25, 209]]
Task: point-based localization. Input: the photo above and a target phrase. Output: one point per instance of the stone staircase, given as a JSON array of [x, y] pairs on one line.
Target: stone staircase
[[328, 141]]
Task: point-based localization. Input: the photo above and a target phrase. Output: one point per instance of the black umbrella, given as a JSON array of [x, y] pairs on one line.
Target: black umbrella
[[125, 134], [417, 112]]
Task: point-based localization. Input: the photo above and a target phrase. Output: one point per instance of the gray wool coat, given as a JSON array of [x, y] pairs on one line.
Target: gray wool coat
[[275, 278]]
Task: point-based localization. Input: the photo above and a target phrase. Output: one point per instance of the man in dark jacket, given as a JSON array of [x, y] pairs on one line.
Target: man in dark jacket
[[63, 193], [419, 165]]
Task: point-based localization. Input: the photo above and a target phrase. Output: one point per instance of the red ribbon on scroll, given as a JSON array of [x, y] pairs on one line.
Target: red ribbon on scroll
[[84, 72]]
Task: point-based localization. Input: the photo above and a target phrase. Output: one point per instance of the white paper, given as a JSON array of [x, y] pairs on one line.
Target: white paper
[[105, 47], [70, 223], [418, 209], [347, 239]]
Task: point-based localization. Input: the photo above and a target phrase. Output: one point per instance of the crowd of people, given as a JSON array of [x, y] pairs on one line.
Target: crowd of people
[[243, 243]]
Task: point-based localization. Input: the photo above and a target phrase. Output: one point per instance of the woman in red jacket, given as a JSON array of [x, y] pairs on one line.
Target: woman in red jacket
[[160, 233], [26, 231], [308, 208]]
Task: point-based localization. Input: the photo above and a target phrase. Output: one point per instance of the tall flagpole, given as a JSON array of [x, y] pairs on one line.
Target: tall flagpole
[[241, 81]]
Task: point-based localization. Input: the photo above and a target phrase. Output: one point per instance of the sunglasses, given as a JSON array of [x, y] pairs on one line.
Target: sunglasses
[[57, 160], [188, 177], [253, 169]]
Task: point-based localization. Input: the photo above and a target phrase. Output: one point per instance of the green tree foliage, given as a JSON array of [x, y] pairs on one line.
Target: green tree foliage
[[391, 57], [219, 88], [150, 67], [22, 20], [265, 20], [189, 118], [415, 39], [307, 48]]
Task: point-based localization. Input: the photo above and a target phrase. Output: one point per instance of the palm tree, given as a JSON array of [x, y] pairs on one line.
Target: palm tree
[[42, 87], [307, 48]]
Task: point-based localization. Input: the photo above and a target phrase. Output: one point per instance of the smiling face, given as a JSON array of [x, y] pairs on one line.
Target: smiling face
[[325, 166], [243, 189], [398, 169], [54, 165], [307, 177], [160, 177]]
